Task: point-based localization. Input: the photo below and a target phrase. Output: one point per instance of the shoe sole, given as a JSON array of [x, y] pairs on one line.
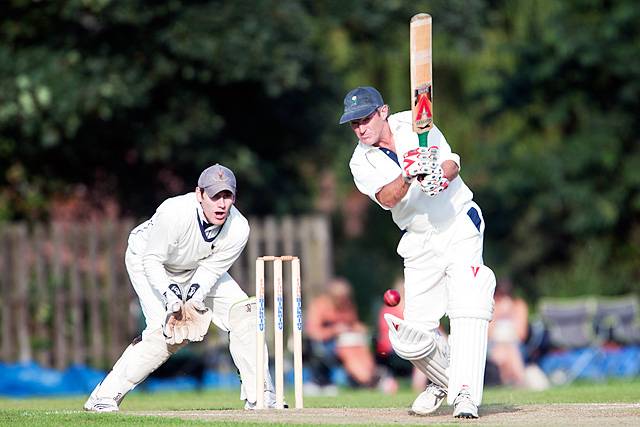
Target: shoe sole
[[466, 415], [98, 408], [100, 411]]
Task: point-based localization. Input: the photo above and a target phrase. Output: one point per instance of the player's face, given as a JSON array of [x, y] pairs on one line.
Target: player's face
[[368, 129], [216, 208]]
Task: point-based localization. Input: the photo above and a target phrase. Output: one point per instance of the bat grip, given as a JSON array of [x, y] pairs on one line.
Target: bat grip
[[422, 142], [422, 139]]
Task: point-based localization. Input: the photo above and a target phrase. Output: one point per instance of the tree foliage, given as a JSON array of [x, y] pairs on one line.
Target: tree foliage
[[129, 100], [132, 90], [564, 160]]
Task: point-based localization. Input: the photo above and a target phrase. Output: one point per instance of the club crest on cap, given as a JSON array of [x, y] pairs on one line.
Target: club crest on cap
[[217, 178], [354, 100]]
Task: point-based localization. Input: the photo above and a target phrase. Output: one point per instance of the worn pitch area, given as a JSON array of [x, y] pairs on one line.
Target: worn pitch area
[[592, 414]]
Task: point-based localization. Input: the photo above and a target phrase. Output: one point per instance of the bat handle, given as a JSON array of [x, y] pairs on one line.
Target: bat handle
[[422, 139], [422, 142]]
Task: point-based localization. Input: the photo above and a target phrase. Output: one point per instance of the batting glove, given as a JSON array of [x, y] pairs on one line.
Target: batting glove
[[434, 186], [415, 162]]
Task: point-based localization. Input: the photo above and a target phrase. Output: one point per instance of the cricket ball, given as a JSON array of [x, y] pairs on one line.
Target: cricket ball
[[392, 297]]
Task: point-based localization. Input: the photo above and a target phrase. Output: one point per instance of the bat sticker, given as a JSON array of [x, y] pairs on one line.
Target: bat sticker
[[422, 102]]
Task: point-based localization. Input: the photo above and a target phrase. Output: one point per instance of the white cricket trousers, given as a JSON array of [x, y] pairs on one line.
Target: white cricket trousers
[[445, 273], [430, 259]]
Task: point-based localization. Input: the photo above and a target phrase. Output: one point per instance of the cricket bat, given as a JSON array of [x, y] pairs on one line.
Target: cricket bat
[[421, 77]]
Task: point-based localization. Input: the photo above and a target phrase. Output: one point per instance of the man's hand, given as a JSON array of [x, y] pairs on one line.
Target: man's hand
[[415, 162], [196, 314], [173, 306], [192, 321], [434, 183], [197, 317]]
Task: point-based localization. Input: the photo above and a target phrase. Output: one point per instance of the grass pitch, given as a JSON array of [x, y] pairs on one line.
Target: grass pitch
[[615, 401]]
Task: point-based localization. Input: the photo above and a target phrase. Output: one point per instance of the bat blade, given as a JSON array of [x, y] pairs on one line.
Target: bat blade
[[421, 75]]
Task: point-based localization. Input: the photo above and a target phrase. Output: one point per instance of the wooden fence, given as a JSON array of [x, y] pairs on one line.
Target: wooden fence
[[66, 296]]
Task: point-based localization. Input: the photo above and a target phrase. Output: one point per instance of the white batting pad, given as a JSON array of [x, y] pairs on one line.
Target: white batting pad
[[468, 342], [242, 346], [471, 289], [426, 350], [139, 360]]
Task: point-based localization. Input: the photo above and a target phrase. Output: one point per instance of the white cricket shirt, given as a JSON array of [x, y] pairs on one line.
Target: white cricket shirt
[[178, 241], [373, 167]]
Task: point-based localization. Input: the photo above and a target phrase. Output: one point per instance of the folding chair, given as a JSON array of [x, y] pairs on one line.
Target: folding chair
[[618, 319], [569, 321], [570, 326]]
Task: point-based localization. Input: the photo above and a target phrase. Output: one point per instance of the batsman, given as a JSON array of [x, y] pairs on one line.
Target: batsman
[[177, 263], [441, 244]]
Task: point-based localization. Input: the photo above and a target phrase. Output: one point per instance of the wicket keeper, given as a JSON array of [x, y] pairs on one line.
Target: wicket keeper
[[177, 262]]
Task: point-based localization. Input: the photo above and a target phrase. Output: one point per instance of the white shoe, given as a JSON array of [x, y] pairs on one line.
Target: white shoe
[[463, 406], [249, 406], [101, 404], [429, 400], [269, 402]]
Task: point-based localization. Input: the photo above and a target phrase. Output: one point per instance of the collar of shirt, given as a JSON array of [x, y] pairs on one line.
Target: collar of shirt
[[209, 231], [366, 149]]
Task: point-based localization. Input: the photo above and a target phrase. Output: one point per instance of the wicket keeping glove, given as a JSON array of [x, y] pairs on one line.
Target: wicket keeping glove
[[194, 320], [173, 307], [196, 312]]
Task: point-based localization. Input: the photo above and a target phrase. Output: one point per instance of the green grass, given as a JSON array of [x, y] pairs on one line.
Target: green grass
[[68, 411]]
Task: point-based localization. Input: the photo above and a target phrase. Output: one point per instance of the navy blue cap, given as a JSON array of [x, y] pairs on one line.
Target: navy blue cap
[[361, 102]]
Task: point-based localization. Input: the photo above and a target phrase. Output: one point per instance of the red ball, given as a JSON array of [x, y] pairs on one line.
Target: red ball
[[392, 297]]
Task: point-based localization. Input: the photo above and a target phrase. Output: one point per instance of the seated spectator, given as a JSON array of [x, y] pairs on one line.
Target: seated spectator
[[336, 336], [507, 334]]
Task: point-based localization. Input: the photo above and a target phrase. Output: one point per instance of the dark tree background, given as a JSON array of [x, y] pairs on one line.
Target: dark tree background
[[120, 104]]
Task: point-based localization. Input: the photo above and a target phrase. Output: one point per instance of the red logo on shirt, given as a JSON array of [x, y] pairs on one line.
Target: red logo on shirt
[[474, 270]]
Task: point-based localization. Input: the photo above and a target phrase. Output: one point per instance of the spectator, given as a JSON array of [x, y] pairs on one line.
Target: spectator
[[336, 336], [508, 333]]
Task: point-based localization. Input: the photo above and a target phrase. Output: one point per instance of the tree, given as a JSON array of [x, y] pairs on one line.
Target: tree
[[127, 97], [560, 157]]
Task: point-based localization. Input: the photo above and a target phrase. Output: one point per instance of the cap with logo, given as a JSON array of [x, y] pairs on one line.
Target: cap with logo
[[217, 178], [360, 102]]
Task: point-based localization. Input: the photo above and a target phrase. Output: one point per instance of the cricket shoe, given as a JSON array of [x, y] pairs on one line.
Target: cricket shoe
[[429, 400], [269, 402], [101, 404], [463, 406]]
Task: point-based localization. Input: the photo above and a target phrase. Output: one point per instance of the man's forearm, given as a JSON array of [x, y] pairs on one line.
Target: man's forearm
[[155, 272], [391, 194]]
